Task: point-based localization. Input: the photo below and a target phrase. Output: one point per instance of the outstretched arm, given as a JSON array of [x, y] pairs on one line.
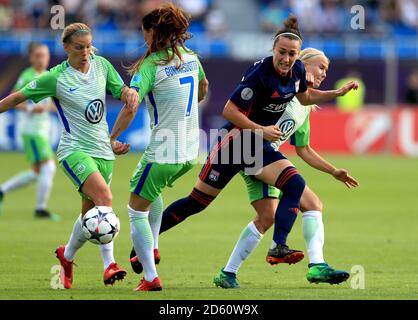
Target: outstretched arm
[[11, 101], [311, 157], [313, 96]]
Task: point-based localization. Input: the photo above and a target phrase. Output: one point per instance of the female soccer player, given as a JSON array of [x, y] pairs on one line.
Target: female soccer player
[[255, 107], [35, 124], [78, 87], [264, 197], [171, 79]]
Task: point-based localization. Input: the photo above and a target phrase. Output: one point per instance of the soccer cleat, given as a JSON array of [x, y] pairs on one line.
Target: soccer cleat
[[66, 274], [112, 273], [226, 280], [45, 214], [322, 272], [282, 254], [136, 265], [154, 285]]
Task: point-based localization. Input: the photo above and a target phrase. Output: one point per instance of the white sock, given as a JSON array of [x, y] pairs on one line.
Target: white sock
[[313, 233], [45, 178], [142, 239], [18, 181], [106, 251], [249, 239], [76, 241], [155, 217]]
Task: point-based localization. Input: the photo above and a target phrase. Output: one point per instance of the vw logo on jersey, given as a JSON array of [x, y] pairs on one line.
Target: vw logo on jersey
[[94, 111], [286, 127]]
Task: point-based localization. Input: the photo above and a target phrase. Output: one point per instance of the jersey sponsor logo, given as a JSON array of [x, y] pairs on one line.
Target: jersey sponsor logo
[[286, 127], [94, 111], [72, 89], [214, 175], [247, 94], [272, 107]]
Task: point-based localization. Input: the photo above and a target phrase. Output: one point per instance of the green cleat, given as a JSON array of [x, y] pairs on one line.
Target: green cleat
[[322, 272], [226, 280]]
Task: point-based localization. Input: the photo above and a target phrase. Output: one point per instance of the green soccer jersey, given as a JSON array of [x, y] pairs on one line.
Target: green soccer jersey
[[33, 123], [294, 123], [171, 97], [80, 99]]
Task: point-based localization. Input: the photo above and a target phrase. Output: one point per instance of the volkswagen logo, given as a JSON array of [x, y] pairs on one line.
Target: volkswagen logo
[[287, 128], [94, 111]]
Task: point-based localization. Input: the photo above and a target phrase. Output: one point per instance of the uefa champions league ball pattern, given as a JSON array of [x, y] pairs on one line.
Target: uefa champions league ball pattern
[[100, 225]]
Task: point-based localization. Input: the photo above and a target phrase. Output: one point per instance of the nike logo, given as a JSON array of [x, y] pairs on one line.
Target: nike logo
[[72, 89]]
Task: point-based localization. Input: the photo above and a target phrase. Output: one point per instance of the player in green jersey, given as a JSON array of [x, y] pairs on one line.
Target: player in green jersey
[[294, 124], [34, 121], [78, 87], [171, 80]]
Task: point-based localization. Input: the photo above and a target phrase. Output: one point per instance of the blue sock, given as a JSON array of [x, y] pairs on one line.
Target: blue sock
[[291, 183], [179, 210]]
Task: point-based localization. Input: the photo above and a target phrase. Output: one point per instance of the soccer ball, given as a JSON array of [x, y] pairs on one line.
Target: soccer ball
[[100, 225]]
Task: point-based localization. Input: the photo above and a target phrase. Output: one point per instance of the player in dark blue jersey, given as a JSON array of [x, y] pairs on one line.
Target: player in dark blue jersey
[[245, 141]]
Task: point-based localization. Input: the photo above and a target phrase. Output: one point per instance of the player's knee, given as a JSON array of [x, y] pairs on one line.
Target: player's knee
[[263, 223], [290, 181], [104, 198], [198, 201]]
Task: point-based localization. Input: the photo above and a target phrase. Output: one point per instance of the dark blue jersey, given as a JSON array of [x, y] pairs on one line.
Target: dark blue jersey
[[263, 94]]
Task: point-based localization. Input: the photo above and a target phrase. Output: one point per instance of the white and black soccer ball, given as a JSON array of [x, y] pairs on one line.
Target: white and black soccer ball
[[100, 225]]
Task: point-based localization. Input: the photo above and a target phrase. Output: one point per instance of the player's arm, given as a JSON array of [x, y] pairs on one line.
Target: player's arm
[[311, 157], [130, 97], [124, 119], [203, 89], [11, 101], [314, 96], [233, 114]]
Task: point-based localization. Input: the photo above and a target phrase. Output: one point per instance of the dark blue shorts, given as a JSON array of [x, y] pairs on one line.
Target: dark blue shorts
[[234, 152]]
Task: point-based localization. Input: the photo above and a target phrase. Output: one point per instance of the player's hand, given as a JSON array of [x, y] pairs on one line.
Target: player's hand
[[131, 99], [310, 79], [271, 133], [343, 176], [119, 147], [352, 85]]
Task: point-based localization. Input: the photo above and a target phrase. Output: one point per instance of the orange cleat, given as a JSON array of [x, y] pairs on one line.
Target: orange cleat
[[154, 285], [282, 254], [112, 273], [66, 274]]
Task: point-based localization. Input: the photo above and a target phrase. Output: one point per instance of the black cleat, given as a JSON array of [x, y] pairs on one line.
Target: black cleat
[[136, 265], [45, 214], [282, 254]]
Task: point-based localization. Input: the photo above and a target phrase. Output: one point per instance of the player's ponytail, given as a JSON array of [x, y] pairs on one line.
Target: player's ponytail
[[169, 24], [290, 30]]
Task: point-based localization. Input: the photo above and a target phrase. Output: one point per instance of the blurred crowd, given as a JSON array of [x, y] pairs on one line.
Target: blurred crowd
[[104, 14], [381, 17]]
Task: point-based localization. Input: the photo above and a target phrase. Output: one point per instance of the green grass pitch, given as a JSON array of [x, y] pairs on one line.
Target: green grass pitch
[[373, 226]]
